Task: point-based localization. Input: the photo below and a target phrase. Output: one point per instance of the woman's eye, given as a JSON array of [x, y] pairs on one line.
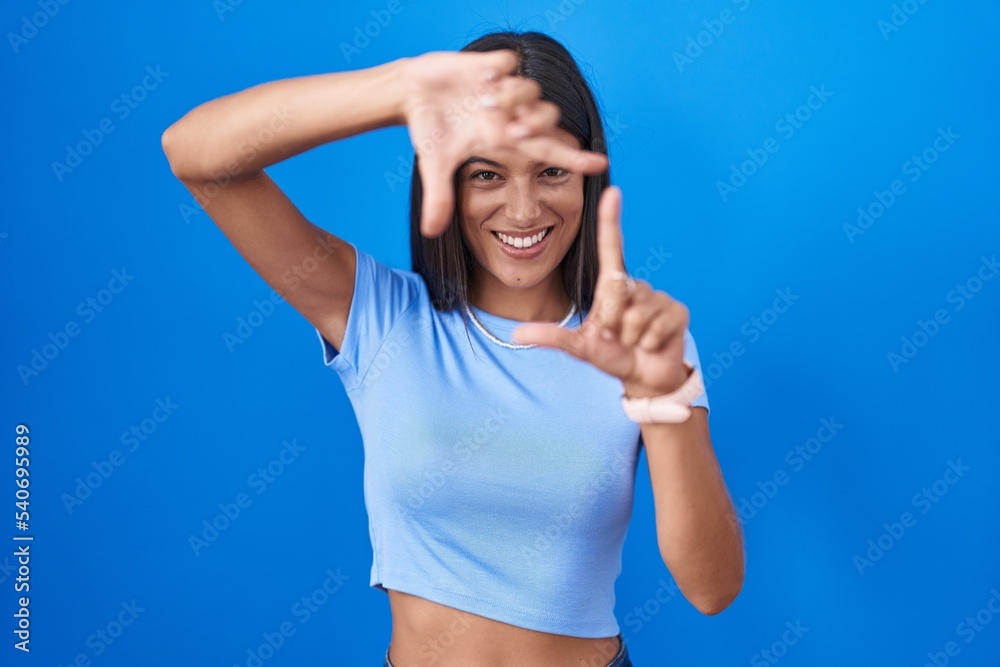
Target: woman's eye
[[554, 172]]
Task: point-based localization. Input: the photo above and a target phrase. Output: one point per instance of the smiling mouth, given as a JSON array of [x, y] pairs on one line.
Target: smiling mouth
[[521, 242]]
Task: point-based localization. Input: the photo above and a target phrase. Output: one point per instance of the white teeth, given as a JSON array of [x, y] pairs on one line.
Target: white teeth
[[521, 242]]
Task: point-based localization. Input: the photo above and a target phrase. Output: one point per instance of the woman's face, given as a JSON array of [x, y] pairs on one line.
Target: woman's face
[[502, 192]]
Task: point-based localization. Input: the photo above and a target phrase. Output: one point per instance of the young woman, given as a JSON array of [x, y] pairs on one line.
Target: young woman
[[500, 458]]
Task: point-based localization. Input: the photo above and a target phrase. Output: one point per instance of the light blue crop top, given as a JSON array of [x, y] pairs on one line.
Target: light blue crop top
[[496, 481]]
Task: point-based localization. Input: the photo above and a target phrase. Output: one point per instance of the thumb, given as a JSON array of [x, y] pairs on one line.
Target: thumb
[[438, 198], [548, 335]]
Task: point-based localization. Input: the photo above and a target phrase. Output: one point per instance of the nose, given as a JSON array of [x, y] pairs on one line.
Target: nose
[[522, 207]]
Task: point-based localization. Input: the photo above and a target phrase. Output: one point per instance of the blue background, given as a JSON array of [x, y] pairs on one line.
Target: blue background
[[682, 126]]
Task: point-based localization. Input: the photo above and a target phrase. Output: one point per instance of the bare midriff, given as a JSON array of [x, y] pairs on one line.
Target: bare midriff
[[426, 633]]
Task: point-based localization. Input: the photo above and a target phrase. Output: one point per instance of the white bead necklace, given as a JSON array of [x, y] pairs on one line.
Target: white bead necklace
[[513, 346]]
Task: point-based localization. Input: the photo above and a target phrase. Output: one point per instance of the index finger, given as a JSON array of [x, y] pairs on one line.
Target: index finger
[[610, 256], [611, 294], [549, 149]]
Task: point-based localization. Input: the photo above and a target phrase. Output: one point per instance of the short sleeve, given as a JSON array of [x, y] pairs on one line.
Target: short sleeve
[[691, 356], [381, 296]]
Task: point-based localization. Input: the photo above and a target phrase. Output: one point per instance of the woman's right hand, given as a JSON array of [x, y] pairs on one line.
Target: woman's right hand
[[456, 103]]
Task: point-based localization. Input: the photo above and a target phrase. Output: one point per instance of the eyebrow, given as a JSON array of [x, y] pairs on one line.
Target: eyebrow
[[493, 163]]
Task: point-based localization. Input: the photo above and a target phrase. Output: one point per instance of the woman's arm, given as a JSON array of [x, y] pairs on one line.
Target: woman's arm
[[698, 531], [219, 150], [638, 335], [241, 133]]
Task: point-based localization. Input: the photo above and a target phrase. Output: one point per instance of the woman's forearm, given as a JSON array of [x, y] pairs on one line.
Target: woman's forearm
[[241, 133], [697, 529]]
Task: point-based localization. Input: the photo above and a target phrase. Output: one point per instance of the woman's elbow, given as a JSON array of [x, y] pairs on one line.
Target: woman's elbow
[[711, 605], [178, 156]]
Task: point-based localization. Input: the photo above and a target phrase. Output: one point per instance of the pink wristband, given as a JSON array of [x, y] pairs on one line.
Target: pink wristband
[[671, 408]]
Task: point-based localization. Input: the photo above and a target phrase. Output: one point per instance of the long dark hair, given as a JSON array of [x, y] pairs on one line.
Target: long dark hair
[[445, 262]]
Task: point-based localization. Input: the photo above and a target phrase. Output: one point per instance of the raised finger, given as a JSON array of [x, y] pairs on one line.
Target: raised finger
[[610, 252], [612, 293], [550, 150]]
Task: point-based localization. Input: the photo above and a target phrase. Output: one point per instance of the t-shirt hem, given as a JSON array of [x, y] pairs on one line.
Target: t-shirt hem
[[497, 611]]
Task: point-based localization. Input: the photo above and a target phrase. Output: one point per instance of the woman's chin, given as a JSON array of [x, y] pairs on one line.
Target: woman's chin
[[522, 279]]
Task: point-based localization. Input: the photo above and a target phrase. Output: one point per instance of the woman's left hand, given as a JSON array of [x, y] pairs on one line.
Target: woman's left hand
[[636, 335]]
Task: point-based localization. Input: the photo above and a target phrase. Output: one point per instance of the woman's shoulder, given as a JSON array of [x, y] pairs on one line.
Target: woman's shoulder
[[384, 271]]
